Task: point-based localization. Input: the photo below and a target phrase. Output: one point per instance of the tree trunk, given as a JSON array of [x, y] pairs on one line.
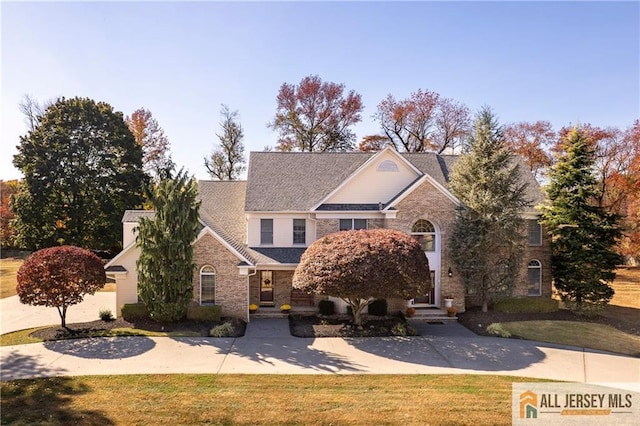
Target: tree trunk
[[63, 316], [357, 305], [485, 305]]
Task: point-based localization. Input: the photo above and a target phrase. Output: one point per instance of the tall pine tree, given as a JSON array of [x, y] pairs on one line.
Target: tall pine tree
[[165, 266], [487, 239], [583, 234]]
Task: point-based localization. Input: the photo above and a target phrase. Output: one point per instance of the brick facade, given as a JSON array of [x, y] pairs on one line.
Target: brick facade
[[231, 287]]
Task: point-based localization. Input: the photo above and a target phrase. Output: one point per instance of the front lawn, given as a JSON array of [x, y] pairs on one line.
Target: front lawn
[[264, 399], [8, 272]]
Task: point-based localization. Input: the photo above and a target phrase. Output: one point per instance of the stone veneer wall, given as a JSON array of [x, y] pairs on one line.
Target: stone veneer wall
[[231, 287]]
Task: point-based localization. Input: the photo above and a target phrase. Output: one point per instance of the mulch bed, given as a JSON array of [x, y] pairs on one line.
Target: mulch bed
[[342, 326], [87, 329], [477, 321]]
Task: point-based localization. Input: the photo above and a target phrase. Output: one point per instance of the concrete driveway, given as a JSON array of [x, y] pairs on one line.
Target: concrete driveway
[[16, 316], [268, 348]]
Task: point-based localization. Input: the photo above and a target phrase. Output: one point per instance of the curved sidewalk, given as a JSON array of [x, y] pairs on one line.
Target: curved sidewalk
[[267, 348]]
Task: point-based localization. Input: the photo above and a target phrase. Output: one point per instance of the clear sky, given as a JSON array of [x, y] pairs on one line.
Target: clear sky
[[564, 62]]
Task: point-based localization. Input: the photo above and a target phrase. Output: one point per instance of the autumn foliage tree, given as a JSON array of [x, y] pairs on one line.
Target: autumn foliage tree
[[533, 142], [357, 266], [151, 137], [7, 189], [59, 277], [315, 115], [423, 122]]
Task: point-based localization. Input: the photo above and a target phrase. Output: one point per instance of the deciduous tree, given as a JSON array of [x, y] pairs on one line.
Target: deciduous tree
[[33, 110], [155, 144], [423, 122], [59, 277], [165, 266], [487, 239], [82, 169], [533, 142], [360, 265], [583, 232], [316, 116], [227, 160], [7, 190]]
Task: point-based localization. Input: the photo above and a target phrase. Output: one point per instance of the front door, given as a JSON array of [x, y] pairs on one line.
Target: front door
[[428, 299], [266, 288]]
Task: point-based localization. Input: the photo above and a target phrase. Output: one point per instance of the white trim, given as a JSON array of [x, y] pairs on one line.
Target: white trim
[[207, 230], [215, 283], [119, 255], [539, 268], [364, 166]]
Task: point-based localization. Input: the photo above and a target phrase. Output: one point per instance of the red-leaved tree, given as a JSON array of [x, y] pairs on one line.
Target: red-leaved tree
[[59, 277], [316, 115], [357, 266]]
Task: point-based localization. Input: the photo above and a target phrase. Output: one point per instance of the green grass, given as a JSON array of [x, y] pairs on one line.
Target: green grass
[[265, 399], [573, 333]]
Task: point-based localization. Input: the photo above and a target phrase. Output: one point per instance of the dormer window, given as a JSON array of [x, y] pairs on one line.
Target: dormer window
[[387, 166]]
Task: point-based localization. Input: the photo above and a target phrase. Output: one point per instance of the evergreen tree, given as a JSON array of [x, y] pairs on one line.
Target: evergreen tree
[[487, 239], [165, 266], [227, 160], [583, 234]]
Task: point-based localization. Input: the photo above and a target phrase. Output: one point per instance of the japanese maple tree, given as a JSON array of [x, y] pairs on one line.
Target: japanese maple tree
[[59, 277], [358, 266]]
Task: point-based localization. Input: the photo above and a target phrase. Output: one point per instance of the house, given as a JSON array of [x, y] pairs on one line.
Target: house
[[254, 232]]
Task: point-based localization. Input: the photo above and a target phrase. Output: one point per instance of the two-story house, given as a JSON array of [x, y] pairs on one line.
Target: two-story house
[[254, 232]]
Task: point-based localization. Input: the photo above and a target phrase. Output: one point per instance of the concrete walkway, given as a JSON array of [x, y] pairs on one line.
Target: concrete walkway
[[268, 348]]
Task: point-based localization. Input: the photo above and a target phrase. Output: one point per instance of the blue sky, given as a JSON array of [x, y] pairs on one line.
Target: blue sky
[[564, 62]]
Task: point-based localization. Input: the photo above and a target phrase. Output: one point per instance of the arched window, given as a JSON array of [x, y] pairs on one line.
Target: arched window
[[534, 277], [207, 285], [425, 233], [387, 166]]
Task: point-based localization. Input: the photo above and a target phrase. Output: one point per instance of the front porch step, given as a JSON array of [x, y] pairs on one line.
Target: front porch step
[[274, 313], [433, 315]]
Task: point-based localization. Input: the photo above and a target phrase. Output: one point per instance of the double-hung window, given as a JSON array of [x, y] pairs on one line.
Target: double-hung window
[[534, 237], [299, 231], [348, 224], [266, 231]]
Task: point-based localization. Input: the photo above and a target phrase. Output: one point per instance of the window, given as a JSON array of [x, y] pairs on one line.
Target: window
[[207, 285], [534, 277], [535, 233], [266, 231], [425, 233], [387, 166], [348, 224], [299, 231]]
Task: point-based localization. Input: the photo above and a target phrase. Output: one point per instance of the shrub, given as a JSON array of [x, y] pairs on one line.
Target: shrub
[[204, 313], [526, 305], [134, 311], [378, 307], [403, 329], [497, 330], [106, 315], [326, 307], [222, 330]]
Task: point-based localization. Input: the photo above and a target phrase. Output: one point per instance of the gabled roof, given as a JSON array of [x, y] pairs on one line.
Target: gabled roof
[[296, 181]]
